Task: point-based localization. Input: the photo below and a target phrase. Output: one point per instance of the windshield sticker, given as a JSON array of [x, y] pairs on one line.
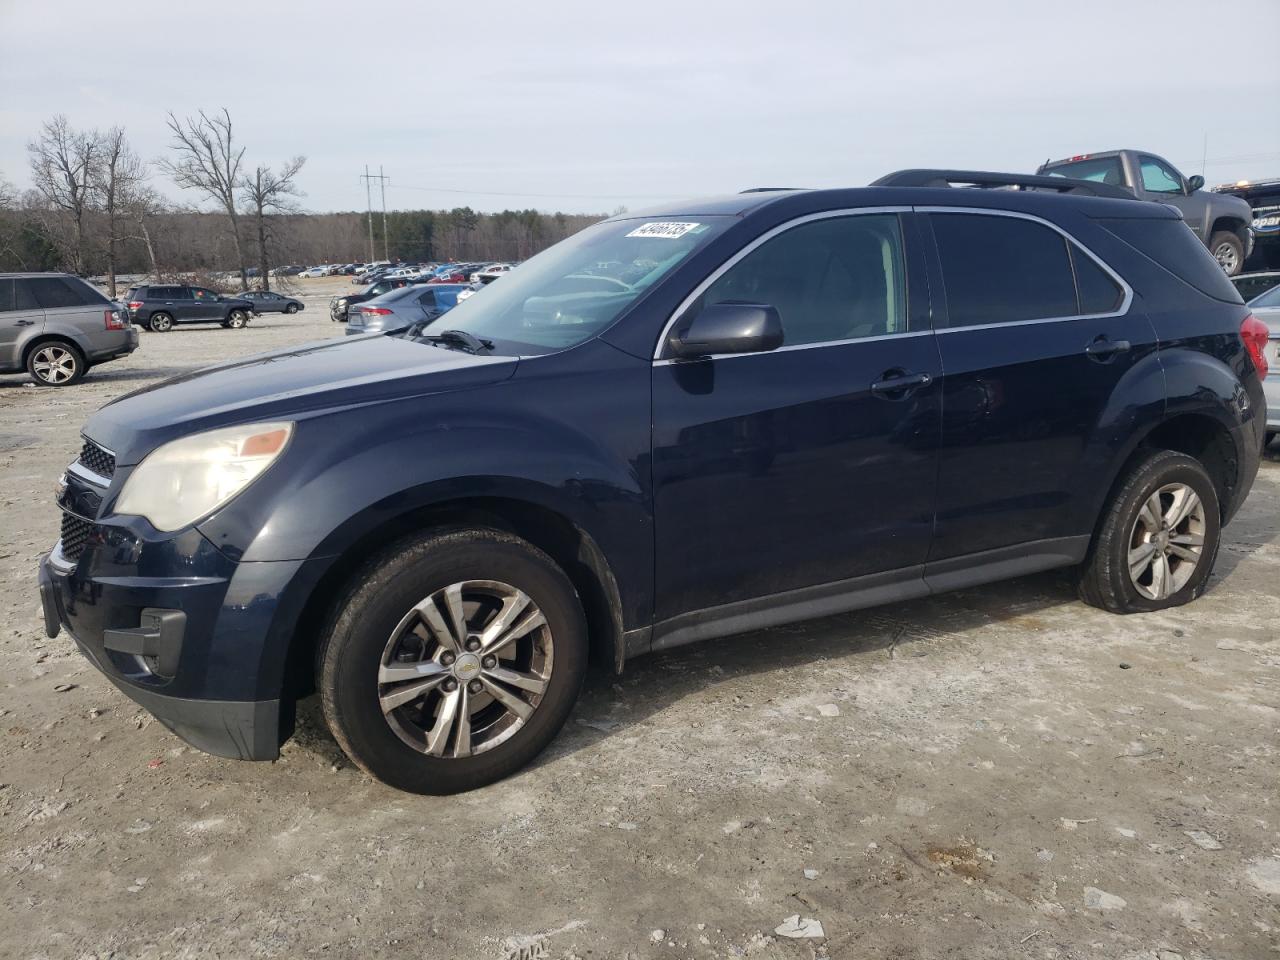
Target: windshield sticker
[[665, 230]]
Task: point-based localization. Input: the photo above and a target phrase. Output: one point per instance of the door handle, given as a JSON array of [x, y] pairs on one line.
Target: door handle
[[899, 382], [1103, 349]]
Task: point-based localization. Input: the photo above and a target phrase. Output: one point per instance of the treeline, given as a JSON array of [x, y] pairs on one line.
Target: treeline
[[92, 209]]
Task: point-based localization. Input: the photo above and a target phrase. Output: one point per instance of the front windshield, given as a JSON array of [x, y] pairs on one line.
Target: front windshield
[[577, 288]]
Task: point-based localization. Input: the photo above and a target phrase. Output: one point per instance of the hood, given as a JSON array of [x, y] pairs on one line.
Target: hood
[[286, 384]]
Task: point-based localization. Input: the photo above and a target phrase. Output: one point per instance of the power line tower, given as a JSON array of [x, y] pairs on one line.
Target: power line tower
[[368, 203], [382, 179]]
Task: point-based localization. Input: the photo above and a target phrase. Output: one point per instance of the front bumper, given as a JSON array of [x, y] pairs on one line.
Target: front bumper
[[218, 679]]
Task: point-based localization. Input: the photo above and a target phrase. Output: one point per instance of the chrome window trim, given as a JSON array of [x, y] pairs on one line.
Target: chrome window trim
[[758, 241], [1125, 303]]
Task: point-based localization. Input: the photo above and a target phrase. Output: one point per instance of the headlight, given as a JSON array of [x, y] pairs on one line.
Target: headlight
[[189, 478]]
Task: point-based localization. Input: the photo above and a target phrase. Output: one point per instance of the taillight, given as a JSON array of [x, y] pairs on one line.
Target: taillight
[[112, 320], [1254, 333], [134, 304], [375, 311]]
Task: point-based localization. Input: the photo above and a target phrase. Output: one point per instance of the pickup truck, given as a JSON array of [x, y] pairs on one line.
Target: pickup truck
[[1222, 222], [1263, 196]]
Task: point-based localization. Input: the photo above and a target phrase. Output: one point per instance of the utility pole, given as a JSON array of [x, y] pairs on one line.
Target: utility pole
[[382, 182], [368, 203]]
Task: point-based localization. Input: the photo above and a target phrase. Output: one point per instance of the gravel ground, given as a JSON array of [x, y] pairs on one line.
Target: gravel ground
[[992, 773]]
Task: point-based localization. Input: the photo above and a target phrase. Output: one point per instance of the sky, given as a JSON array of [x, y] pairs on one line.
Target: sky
[[590, 106]]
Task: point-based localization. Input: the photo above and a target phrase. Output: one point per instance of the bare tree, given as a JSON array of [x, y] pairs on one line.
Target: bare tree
[[208, 161], [270, 192], [117, 178], [143, 205], [63, 162]]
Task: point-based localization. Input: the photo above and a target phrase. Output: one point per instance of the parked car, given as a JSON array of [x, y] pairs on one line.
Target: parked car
[[1266, 307], [339, 306], [1263, 198], [1221, 222], [779, 415], [490, 273], [159, 306], [268, 301], [1251, 285], [312, 273], [55, 326], [403, 308]]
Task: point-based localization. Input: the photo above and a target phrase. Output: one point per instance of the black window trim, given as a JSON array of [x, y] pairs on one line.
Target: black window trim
[[764, 238], [1125, 302]]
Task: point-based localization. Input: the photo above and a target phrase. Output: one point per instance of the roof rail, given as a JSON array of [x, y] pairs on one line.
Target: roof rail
[[769, 189], [987, 180]]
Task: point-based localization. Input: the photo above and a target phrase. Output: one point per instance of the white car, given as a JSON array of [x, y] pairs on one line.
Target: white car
[[491, 272], [313, 272]]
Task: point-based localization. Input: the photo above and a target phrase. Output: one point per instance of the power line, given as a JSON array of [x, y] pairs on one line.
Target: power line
[[542, 196]]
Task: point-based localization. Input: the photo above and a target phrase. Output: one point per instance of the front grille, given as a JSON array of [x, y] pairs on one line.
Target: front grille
[[75, 531], [100, 461]]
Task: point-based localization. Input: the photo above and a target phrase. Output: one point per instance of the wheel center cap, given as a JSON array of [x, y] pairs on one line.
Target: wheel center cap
[[1162, 539], [467, 666]]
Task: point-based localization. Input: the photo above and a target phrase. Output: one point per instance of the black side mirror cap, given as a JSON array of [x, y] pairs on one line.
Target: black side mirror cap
[[728, 327], [1194, 183]]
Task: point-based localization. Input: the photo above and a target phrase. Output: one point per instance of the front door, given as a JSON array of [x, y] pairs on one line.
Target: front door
[[807, 465], [1037, 336]]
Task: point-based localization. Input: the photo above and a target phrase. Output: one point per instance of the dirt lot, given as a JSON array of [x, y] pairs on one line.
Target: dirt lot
[[1001, 772]]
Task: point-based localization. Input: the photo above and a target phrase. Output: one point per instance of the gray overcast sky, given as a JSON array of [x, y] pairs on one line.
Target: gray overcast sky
[[585, 106]]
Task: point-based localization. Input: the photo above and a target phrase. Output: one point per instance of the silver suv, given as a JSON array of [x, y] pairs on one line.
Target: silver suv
[[55, 326]]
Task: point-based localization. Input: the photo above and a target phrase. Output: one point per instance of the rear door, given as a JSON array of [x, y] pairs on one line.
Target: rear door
[[1035, 336], [21, 318], [802, 467]]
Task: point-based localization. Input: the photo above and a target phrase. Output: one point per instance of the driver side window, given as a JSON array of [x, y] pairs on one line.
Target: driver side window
[[840, 278], [1158, 177]]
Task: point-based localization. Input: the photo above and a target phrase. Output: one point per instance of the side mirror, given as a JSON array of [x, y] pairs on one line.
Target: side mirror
[[729, 327], [1194, 183]]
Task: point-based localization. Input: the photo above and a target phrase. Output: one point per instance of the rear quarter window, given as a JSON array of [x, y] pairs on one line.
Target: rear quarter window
[[1172, 245], [53, 292]]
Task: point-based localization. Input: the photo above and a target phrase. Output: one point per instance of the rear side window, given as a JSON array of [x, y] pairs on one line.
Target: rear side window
[[6, 296], [1003, 269], [1098, 169], [1172, 245], [52, 292], [1098, 292], [23, 297]]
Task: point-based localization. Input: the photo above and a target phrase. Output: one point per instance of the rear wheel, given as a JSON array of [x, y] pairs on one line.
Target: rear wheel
[[453, 660], [1228, 250], [160, 322], [236, 319], [56, 363], [1158, 539]]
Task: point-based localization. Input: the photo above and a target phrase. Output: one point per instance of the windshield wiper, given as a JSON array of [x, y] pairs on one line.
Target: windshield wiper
[[460, 338]]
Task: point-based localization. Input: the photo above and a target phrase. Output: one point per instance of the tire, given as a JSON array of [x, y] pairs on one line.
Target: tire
[[291, 309], [1228, 250], [160, 322], [56, 363], [376, 626], [1127, 530], [1271, 438], [236, 319]]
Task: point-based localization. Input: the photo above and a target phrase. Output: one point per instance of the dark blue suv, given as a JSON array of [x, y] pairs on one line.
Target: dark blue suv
[[716, 417]]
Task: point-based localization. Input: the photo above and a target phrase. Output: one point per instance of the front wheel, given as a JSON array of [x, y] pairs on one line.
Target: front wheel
[[1228, 250], [291, 309], [1158, 539], [236, 319], [453, 659]]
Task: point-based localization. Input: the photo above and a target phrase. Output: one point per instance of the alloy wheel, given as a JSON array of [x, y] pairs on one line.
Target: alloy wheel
[[465, 668], [1227, 257], [54, 364], [1167, 541]]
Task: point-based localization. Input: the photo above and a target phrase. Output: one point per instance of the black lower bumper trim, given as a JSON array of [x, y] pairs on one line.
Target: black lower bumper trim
[[238, 729]]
